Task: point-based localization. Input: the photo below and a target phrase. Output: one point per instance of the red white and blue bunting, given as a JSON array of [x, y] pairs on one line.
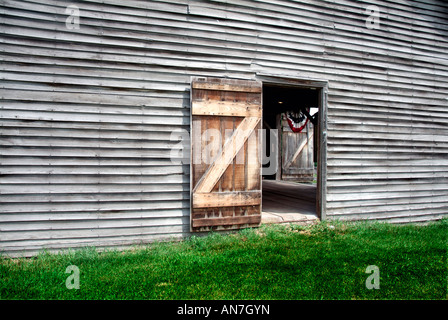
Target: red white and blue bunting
[[297, 120]]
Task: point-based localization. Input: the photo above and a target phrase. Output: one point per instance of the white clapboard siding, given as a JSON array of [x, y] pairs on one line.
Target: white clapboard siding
[[91, 119]]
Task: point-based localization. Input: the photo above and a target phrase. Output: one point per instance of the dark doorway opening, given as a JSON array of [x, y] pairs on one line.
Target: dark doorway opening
[[291, 193]]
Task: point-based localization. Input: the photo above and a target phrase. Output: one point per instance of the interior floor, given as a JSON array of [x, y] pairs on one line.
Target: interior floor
[[284, 201]]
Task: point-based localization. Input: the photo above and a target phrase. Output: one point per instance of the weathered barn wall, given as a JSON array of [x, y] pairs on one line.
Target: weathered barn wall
[[87, 114]]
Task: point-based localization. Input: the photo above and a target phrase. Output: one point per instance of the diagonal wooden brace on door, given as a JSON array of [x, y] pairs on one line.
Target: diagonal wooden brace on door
[[229, 152], [298, 151]]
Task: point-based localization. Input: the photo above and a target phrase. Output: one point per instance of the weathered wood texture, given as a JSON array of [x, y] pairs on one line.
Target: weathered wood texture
[[87, 114], [297, 153], [225, 148]]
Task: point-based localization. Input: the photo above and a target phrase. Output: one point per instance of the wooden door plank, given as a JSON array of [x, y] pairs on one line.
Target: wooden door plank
[[230, 149], [226, 199], [226, 221], [228, 125], [239, 163], [226, 181], [254, 161], [225, 108], [298, 151], [227, 87]]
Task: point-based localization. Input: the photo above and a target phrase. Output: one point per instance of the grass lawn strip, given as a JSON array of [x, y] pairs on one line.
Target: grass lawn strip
[[327, 260]]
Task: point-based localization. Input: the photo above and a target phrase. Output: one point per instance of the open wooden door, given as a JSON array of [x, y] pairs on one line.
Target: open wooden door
[[225, 154]]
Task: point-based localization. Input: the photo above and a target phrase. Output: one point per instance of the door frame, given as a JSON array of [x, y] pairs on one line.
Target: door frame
[[322, 86]]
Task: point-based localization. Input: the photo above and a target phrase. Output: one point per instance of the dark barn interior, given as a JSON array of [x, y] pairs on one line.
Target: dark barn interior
[[286, 201]]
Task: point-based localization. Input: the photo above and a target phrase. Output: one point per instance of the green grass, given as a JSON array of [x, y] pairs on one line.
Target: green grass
[[323, 261]]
